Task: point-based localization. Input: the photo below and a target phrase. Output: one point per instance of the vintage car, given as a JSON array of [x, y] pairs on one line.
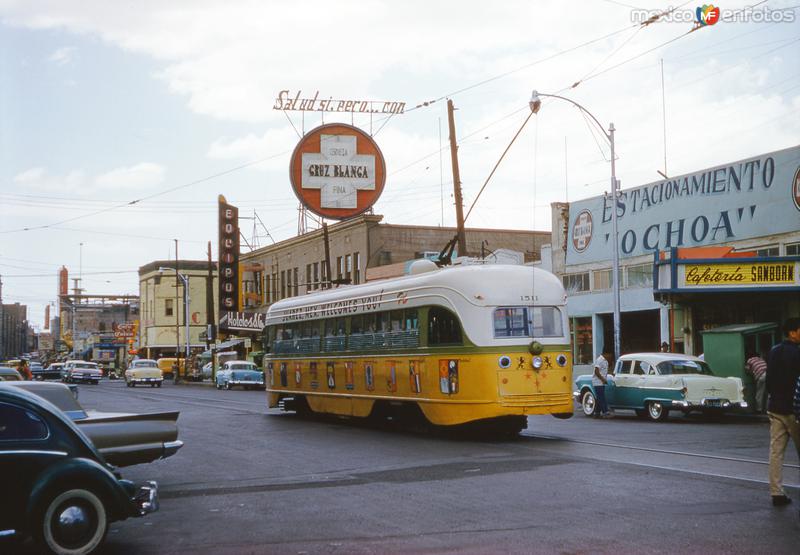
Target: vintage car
[[653, 384], [57, 488], [52, 372], [8, 374], [144, 371], [81, 371], [240, 372], [123, 439]]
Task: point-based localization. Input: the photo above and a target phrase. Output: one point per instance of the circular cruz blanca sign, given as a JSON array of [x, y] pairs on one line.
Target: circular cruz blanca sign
[[582, 230], [337, 171], [796, 188]]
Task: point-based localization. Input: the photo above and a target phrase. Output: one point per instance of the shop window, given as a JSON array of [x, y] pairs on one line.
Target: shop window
[[582, 340], [770, 250], [602, 280], [793, 250], [168, 306], [575, 283], [640, 275]]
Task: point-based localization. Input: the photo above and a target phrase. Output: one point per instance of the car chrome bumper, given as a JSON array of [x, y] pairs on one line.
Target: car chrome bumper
[[171, 447], [710, 404], [147, 498], [245, 382], [146, 380]]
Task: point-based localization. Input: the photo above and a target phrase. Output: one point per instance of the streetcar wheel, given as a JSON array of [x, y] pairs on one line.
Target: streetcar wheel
[[588, 403], [656, 411]]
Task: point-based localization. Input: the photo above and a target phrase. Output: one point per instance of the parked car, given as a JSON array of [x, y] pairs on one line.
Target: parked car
[[207, 370], [240, 372], [57, 488], [8, 374], [82, 371], [653, 384], [123, 439], [145, 372], [52, 372]]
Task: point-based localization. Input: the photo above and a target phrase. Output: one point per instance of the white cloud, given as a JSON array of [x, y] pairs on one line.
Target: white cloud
[[275, 143], [62, 56], [141, 176], [75, 182]]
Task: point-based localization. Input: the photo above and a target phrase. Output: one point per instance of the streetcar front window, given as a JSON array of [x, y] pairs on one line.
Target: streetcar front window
[[534, 321]]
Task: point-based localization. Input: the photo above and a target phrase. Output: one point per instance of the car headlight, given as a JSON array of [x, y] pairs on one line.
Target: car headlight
[[536, 362]]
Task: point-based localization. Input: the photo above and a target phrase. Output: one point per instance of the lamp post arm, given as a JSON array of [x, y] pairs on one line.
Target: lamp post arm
[[582, 109]]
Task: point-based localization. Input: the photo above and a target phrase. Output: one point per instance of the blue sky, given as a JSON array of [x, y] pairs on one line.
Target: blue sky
[[106, 102]]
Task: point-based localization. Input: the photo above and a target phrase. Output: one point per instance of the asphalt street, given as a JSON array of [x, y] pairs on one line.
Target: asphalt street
[[254, 480]]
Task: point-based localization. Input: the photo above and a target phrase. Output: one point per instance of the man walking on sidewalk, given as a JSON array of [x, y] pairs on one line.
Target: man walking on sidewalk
[[783, 370]]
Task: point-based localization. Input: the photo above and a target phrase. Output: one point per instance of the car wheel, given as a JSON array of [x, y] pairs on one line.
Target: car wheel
[[74, 521], [127, 383], [656, 411], [588, 403]]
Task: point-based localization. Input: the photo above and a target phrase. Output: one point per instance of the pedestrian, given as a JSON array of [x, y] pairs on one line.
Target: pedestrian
[[599, 381], [783, 370], [757, 368], [664, 347]]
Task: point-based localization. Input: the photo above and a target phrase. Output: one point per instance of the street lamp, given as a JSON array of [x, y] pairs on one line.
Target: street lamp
[[535, 105], [185, 280]]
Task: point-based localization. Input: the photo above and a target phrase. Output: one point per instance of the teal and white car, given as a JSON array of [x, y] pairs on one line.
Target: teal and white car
[[653, 384], [239, 372]]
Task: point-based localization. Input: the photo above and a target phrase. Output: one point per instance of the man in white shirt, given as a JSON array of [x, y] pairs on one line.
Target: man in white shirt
[[599, 381]]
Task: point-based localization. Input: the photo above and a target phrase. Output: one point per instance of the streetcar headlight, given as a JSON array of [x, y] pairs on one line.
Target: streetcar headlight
[[561, 360], [537, 362], [504, 361]]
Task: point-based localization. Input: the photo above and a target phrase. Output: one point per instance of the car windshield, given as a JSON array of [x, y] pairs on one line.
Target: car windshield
[[669, 367], [243, 367]]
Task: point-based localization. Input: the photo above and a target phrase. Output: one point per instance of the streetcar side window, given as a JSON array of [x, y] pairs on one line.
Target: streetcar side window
[[443, 327], [334, 339]]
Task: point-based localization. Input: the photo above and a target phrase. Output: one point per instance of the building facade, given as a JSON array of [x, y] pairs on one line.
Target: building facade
[[716, 247], [361, 249], [162, 329]]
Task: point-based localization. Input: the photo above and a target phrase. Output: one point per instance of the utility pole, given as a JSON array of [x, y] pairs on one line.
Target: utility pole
[[177, 368], [327, 256], [462, 240], [211, 332]]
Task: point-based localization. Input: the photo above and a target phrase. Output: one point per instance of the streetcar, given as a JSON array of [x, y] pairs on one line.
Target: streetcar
[[464, 345]]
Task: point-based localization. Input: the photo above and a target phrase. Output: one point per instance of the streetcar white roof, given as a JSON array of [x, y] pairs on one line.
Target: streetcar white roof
[[466, 290]]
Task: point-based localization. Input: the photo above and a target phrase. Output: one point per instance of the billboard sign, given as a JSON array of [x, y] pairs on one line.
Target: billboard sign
[[228, 264], [337, 171], [750, 198]]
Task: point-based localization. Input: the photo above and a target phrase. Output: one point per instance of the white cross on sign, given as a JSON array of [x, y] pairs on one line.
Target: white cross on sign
[[338, 171]]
